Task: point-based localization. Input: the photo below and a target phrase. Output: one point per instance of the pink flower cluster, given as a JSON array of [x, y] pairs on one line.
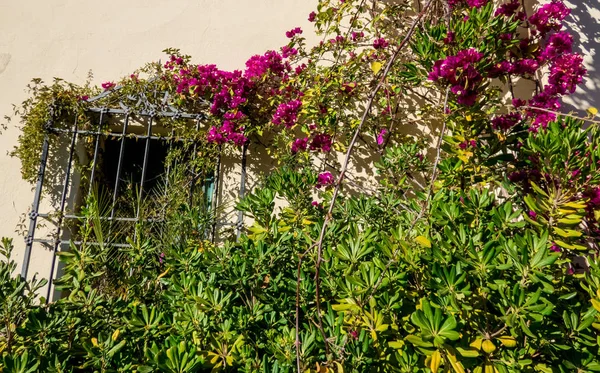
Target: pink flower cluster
[[506, 121], [470, 3], [296, 31], [549, 16], [287, 113], [548, 47], [108, 85], [380, 43], [320, 142], [228, 92], [325, 179], [461, 74], [509, 9]]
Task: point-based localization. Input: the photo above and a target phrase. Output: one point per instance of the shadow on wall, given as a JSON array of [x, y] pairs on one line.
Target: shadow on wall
[[584, 21]]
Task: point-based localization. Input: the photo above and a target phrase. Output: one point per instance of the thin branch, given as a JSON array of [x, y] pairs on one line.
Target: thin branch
[[425, 207], [338, 185], [562, 114]]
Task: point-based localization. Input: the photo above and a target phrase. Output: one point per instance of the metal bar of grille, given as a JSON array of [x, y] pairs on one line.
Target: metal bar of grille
[[144, 167], [78, 217], [119, 165], [145, 113], [63, 199], [170, 141], [191, 195], [240, 221], [79, 243], [95, 159], [215, 196], [33, 215], [120, 135]]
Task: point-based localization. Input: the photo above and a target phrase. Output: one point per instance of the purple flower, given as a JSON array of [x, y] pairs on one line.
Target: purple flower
[[470, 3], [508, 9], [501, 68], [549, 16], [321, 142], [558, 44], [449, 37], [566, 73], [312, 16], [506, 121], [288, 51], [555, 248], [299, 144], [380, 43], [356, 35], [532, 214], [594, 197], [543, 100], [84, 98], [287, 113], [381, 136], [325, 179], [258, 65], [476, 3], [526, 66], [296, 31], [108, 85]]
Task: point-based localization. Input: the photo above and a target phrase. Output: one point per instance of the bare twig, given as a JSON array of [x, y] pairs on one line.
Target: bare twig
[[558, 113], [427, 199], [338, 185]]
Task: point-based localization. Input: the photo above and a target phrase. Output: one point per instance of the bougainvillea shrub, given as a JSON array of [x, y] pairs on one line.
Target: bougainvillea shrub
[[476, 252]]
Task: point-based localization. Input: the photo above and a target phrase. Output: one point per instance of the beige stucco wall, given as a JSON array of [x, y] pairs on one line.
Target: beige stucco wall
[[68, 38]]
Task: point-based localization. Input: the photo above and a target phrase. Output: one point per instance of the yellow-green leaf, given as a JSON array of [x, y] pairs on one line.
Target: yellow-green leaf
[[508, 341], [488, 346], [477, 343], [596, 305], [567, 232], [471, 352], [423, 241], [436, 360], [376, 66], [575, 205], [396, 344]]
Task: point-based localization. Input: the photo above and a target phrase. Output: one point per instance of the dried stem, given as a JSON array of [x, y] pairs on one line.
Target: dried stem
[[339, 182]]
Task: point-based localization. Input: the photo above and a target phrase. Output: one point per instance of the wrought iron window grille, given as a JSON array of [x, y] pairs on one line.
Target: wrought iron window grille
[[70, 137]]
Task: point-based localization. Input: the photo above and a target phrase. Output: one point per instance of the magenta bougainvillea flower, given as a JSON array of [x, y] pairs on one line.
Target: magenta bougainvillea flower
[[108, 85], [381, 136], [549, 16], [287, 113], [299, 144], [460, 72], [325, 179], [566, 72], [296, 31], [470, 3], [558, 43], [380, 43], [321, 142], [506, 121]]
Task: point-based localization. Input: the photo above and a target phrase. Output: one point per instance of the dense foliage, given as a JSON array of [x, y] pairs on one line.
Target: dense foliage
[[479, 254]]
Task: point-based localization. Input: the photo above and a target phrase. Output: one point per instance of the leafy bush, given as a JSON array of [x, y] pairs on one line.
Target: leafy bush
[[479, 255]]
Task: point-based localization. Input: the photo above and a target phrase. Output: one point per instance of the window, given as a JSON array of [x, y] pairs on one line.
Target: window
[[124, 157]]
